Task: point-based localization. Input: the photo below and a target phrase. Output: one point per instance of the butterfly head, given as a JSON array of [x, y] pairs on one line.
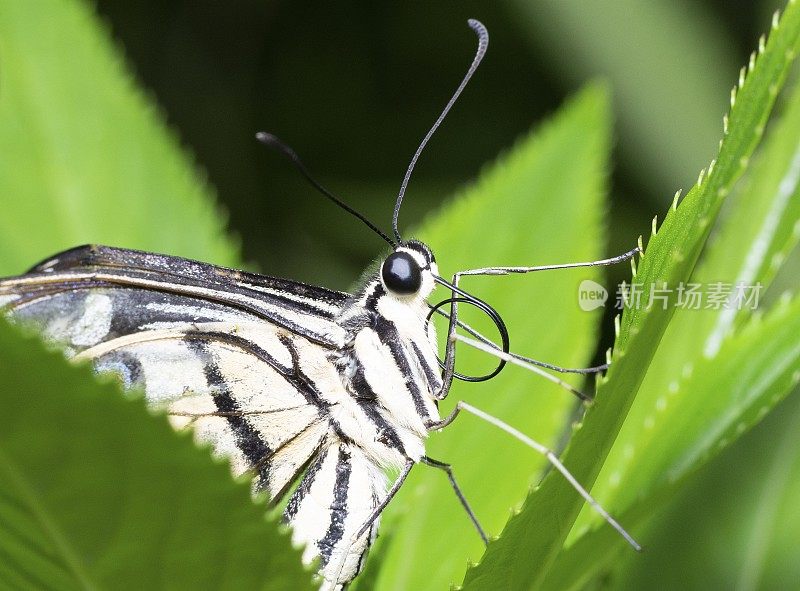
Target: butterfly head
[[409, 271]]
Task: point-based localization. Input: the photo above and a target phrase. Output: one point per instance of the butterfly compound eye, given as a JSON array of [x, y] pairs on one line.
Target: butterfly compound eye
[[401, 273]]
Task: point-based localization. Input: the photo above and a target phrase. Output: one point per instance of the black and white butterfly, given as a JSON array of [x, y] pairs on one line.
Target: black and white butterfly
[[288, 380]]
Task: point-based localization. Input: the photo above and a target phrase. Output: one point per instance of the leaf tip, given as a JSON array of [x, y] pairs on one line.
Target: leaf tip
[[675, 200]]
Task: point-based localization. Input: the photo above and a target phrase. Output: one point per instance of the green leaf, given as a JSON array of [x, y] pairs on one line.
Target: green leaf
[[532, 539], [744, 539], [85, 155], [97, 492], [514, 215], [753, 370], [722, 398], [755, 237]]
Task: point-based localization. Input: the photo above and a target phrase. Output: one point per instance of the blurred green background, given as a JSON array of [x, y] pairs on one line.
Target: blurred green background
[[353, 86]]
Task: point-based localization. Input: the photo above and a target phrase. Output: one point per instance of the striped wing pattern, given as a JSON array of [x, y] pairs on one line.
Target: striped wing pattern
[[278, 376]]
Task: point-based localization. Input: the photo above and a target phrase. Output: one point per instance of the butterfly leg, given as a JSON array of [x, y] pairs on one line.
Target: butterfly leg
[[449, 362], [543, 450], [502, 353], [387, 499], [508, 270], [457, 489]]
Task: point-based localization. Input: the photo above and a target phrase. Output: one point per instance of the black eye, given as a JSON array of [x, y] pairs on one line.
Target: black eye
[[401, 273]]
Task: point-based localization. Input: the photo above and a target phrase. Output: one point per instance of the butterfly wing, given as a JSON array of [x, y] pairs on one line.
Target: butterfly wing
[[239, 391], [238, 357], [218, 349]]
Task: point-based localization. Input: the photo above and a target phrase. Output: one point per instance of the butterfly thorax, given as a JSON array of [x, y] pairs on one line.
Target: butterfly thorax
[[390, 369]]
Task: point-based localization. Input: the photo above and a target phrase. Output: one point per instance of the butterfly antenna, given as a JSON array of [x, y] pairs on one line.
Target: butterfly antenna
[[483, 43], [274, 142]]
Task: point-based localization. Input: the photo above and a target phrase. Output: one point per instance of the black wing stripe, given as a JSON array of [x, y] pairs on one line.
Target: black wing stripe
[[299, 379], [247, 438], [293, 375], [260, 464], [137, 310], [259, 305], [178, 267], [338, 507], [305, 485], [256, 300], [277, 495]]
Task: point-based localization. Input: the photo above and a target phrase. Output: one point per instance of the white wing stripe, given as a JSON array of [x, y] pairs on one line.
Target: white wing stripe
[[329, 309]]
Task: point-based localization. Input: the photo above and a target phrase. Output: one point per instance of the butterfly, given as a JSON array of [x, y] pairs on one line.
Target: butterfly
[[290, 381]]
